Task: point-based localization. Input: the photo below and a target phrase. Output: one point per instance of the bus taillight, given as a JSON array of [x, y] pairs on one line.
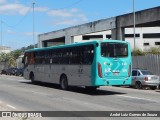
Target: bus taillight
[[129, 71], [99, 70]]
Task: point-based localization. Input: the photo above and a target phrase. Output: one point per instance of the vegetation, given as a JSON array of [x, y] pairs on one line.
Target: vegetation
[[137, 52], [10, 58], [152, 50]]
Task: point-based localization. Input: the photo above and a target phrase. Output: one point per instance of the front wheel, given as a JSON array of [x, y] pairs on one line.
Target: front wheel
[[64, 83]]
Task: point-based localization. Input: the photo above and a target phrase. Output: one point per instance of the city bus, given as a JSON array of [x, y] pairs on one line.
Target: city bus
[[89, 64]]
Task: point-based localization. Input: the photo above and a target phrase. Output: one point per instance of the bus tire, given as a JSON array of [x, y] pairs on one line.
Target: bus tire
[[64, 82], [32, 77]]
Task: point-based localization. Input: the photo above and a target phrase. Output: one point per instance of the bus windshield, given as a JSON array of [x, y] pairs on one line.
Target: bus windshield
[[109, 49]]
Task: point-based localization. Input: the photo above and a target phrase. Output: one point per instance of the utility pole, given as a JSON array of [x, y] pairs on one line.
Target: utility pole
[[33, 27], [134, 25], [1, 32]]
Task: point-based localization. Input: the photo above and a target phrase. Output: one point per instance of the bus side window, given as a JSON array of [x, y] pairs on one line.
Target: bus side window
[[25, 60], [88, 54], [32, 58], [70, 55]]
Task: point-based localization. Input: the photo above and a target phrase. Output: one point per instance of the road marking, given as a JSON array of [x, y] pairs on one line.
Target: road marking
[[12, 79], [137, 98], [11, 106], [22, 80], [9, 78], [7, 105], [38, 93]]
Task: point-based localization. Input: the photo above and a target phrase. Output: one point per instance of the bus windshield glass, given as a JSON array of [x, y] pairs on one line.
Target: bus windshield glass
[[110, 49]]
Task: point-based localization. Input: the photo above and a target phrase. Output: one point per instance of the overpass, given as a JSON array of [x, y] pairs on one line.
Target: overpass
[[145, 18]]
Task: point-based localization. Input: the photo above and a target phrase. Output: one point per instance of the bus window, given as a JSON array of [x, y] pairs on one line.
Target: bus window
[[114, 49], [26, 60], [75, 57], [88, 54], [38, 57]]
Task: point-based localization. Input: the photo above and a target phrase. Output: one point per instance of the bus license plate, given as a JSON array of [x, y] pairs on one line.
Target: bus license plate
[[116, 74]]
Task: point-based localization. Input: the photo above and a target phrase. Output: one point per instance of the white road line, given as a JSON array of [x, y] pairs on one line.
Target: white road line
[[12, 79], [11, 106], [7, 78], [38, 93], [22, 80], [137, 98]]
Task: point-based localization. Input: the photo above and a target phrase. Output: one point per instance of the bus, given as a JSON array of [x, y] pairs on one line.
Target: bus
[[89, 64]]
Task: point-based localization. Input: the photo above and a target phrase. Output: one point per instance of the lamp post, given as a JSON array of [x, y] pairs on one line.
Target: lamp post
[[1, 32], [33, 26], [134, 25]]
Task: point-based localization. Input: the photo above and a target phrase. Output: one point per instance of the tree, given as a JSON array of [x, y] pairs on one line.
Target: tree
[[4, 57], [10, 58]]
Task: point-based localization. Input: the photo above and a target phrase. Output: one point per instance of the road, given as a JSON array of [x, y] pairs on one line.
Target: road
[[18, 94]]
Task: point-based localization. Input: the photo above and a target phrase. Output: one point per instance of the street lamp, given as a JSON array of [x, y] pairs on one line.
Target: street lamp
[[33, 26], [1, 31], [134, 26]]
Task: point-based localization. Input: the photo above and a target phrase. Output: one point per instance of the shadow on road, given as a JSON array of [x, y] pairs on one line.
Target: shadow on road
[[158, 91], [80, 90]]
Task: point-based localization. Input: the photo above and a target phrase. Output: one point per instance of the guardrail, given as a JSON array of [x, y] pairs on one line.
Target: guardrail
[[150, 62]]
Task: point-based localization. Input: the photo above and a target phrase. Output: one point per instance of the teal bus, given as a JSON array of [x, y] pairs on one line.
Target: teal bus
[[90, 64]]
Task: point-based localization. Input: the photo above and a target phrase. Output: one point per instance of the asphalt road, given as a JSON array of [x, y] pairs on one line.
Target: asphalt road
[[18, 94]]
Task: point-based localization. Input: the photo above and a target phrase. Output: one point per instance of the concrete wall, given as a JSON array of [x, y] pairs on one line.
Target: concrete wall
[[117, 25], [91, 27], [140, 40]]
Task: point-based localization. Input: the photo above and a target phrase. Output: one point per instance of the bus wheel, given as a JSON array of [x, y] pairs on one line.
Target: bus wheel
[[32, 78], [64, 82]]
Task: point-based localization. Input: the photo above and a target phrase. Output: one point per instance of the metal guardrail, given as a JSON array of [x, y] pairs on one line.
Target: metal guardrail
[[150, 62]]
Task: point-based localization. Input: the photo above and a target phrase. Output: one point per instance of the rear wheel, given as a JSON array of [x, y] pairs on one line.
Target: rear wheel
[[32, 78], [64, 83], [138, 85]]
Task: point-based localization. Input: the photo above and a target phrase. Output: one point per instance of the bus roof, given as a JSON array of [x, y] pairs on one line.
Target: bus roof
[[75, 44]]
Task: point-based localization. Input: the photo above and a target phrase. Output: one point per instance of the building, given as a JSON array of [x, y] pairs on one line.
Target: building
[[146, 37], [5, 49], [19, 61], [147, 31]]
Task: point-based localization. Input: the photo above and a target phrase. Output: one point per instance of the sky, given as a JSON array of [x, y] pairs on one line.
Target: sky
[[16, 16]]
